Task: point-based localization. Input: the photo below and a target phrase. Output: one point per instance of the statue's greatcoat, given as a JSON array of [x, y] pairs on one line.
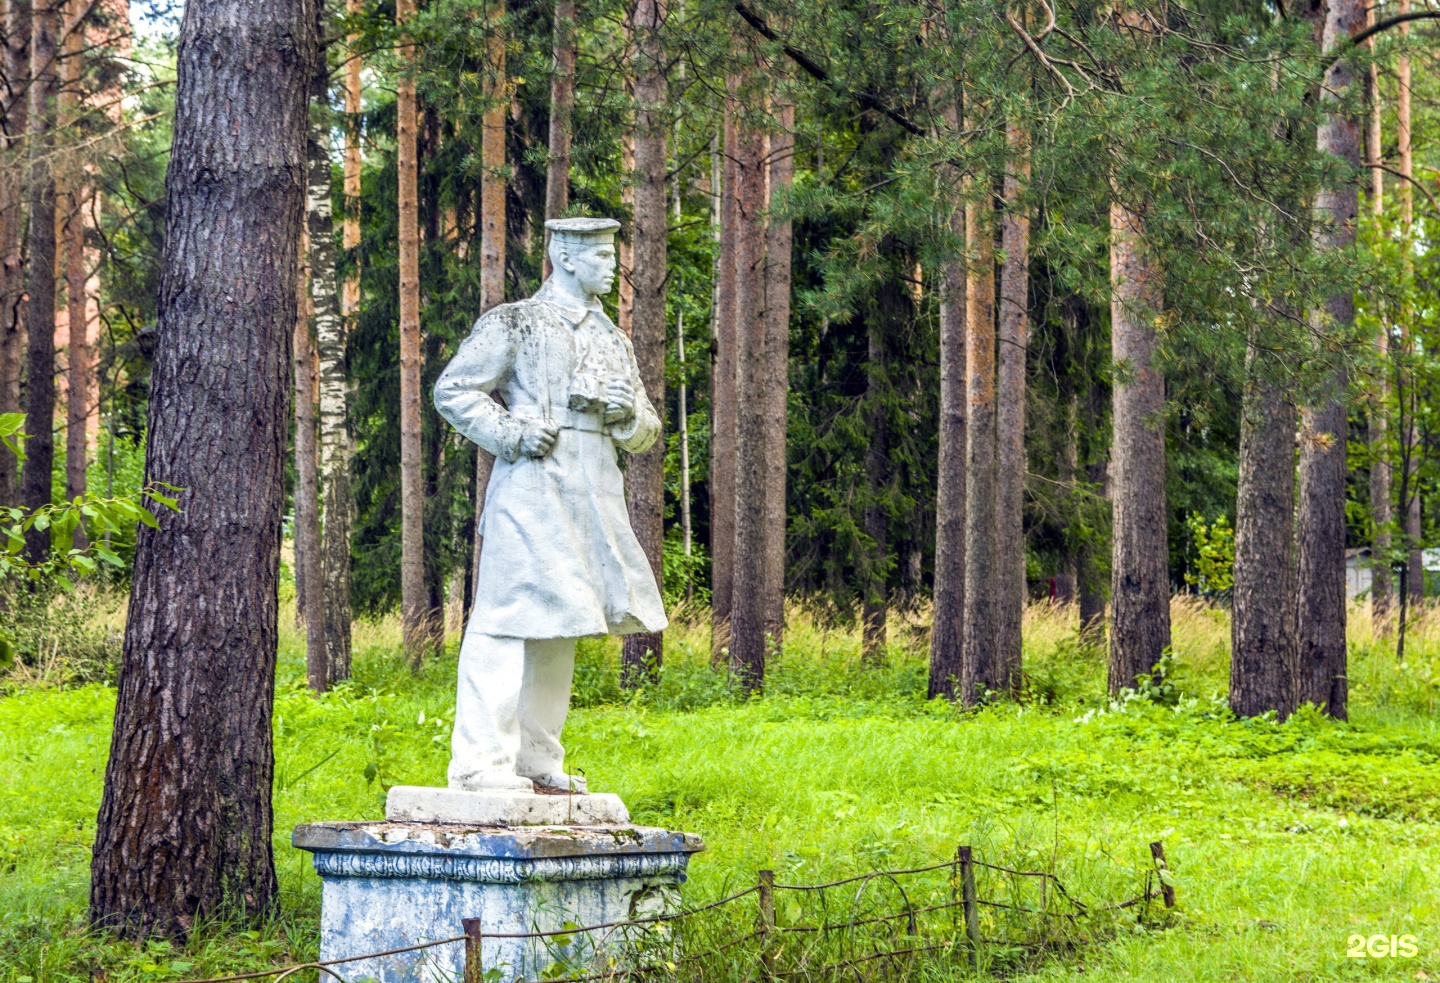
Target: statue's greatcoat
[[560, 559]]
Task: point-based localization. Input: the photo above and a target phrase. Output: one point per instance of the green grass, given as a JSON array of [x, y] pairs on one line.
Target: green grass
[[1285, 839]]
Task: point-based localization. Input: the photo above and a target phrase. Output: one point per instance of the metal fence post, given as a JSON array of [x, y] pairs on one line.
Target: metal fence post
[[1167, 890], [474, 965], [767, 921], [972, 914]]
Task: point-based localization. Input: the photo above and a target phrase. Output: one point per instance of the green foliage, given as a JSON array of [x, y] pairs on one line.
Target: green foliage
[[1314, 828], [1212, 554]]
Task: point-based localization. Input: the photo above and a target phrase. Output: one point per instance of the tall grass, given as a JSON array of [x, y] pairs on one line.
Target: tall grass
[[1285, 839]]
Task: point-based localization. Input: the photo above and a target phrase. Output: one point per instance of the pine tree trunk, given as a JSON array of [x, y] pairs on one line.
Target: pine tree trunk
[[185, 824], [1415, 574], [1321, 676], [747, 602], [875, 599], [35, 477], [12, 224], [645, 473], [562, 107], [723, 399], [777, 368], [492, 236], [78, 370], [947, 629], [1382, 510], [983, 669], [333, 617], [1262, 635], [414, 601], [309, 572], [1139, 575], [1014, 341], [1067, 467]]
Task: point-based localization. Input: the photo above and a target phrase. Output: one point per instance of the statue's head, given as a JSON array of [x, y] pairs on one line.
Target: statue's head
[[585, 249]]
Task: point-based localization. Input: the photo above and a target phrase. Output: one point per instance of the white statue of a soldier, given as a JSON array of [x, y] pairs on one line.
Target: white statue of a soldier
[[560, 561]]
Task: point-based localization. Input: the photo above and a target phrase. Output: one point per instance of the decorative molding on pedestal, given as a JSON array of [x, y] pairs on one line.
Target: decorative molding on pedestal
[[392, 884]]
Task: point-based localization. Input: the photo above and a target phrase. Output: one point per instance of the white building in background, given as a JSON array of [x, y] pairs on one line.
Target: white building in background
[[1359, 575]]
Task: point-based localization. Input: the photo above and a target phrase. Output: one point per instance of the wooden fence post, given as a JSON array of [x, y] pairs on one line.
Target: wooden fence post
[[767, 921], [1167, 890], [972, 914], [474, 965]]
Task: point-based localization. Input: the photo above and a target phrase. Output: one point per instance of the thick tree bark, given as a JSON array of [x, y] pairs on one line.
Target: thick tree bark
[[185, 824], [414, 601], [12, 223], [747, 603], [778, 246], [492, 235], [334, 551], [947, 629], [984, 668], [1321, 674], [35, 477], [723, 399], [1262, 633], [1014, 341], [1139, 575], [645, 473], [562, 108], [309, 572]]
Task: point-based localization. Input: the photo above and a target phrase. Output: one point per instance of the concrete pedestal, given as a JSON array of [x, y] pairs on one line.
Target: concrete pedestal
[[393, 884]]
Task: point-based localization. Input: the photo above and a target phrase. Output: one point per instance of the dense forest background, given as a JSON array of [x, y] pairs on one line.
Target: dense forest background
[[891, 142]]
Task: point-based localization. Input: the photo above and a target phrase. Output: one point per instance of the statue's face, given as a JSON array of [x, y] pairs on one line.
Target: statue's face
[[593, 265]]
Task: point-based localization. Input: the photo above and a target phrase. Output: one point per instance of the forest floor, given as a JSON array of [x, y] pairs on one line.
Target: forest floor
[[1286, 840]]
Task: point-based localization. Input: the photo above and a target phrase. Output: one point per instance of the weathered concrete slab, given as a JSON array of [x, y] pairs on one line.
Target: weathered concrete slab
[[421, 804]]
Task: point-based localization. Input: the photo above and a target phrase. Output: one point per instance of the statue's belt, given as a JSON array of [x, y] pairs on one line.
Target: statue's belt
[[590, 422]]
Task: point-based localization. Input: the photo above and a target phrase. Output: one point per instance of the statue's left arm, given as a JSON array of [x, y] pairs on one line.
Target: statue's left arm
[[637, 434]]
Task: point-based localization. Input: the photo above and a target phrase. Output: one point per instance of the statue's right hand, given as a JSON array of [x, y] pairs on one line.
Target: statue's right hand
[[539, 440]]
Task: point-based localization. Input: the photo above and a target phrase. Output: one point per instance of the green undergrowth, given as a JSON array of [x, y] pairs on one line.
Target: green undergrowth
[[1285, 839]]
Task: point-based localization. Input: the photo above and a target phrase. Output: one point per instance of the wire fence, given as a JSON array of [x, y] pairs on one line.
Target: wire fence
[[892, 924]]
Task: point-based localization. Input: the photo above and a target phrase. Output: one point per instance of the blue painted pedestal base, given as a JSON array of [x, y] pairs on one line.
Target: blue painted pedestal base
[[389, 885]]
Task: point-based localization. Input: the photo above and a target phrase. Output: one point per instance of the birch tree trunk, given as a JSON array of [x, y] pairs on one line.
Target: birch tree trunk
[[1321, 674], [350, 220], [1139, 575], [778, 246], [983, 668], [645, 473], [492, 235], [1014, 342], [35, 477], [1262, 630], [12, 223], [309, 572], [562, 108], [185, 825], [947, 630], [414, 600], [723, 397], [747, 603], [333, 614]]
